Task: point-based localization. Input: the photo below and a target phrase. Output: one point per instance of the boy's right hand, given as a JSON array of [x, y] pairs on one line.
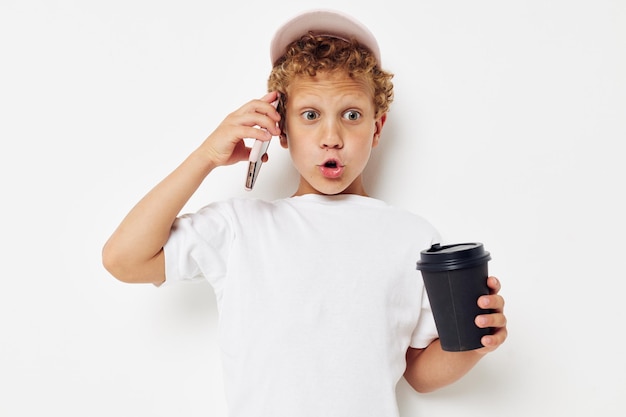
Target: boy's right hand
[[225, 146]]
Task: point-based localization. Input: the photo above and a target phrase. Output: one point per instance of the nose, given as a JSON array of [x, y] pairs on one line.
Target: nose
[[331, 136]]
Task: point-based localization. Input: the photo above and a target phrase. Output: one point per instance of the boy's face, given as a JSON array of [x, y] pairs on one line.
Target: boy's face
[[330, 129]]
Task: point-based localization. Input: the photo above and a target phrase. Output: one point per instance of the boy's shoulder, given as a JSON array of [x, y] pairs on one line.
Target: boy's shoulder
[[337, 206]]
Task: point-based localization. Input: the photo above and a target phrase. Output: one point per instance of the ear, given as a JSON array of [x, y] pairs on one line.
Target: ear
[[378, 123], [283, 140]]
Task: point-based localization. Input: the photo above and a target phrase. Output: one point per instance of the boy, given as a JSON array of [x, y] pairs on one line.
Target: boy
[[321, 308]]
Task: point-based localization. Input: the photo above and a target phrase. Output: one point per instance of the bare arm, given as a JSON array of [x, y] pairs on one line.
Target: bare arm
[[433, 368], [134, 252]]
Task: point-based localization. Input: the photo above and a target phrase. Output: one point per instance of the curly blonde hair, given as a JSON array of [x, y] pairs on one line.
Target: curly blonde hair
[[316, 53]]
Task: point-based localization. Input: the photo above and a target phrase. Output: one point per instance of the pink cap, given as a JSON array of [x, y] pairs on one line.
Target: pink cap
[[322, 22]]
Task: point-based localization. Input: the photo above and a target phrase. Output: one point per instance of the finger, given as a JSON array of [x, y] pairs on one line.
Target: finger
[[494, 340], [254, 133], [493, 302], [261, 115], [496, 320], [494, 284], [271, 96], [264, 105]]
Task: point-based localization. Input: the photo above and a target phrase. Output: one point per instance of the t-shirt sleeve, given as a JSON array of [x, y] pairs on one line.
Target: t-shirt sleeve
[[198, 247], [425, 331]]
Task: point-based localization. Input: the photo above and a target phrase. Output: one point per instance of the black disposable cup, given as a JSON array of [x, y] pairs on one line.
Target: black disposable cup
[[455, 276]]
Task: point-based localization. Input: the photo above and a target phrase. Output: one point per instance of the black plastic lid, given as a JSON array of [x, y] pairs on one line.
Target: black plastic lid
[[450, 257]]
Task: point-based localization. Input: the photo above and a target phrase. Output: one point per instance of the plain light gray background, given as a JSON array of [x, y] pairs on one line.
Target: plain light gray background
[[508, 128]]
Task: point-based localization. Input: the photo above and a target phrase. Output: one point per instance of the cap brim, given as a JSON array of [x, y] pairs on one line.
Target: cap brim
[[322, 22]]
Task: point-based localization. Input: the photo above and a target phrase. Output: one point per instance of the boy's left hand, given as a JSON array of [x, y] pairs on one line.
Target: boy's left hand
[[496, 319]]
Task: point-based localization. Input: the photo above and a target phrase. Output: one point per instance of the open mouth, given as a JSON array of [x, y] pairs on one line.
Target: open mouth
[[331, 168]]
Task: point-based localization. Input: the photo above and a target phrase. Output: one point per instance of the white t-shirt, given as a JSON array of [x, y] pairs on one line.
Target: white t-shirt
[[318, 298]]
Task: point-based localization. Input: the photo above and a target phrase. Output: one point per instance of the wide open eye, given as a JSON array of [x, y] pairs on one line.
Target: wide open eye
[[310, 115], [352, 115]]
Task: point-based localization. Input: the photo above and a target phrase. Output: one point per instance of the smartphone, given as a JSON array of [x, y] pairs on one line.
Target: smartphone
[[256, 153]]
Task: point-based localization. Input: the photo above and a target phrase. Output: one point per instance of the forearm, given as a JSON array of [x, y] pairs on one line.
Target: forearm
[[141, 235], [433, 368]]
